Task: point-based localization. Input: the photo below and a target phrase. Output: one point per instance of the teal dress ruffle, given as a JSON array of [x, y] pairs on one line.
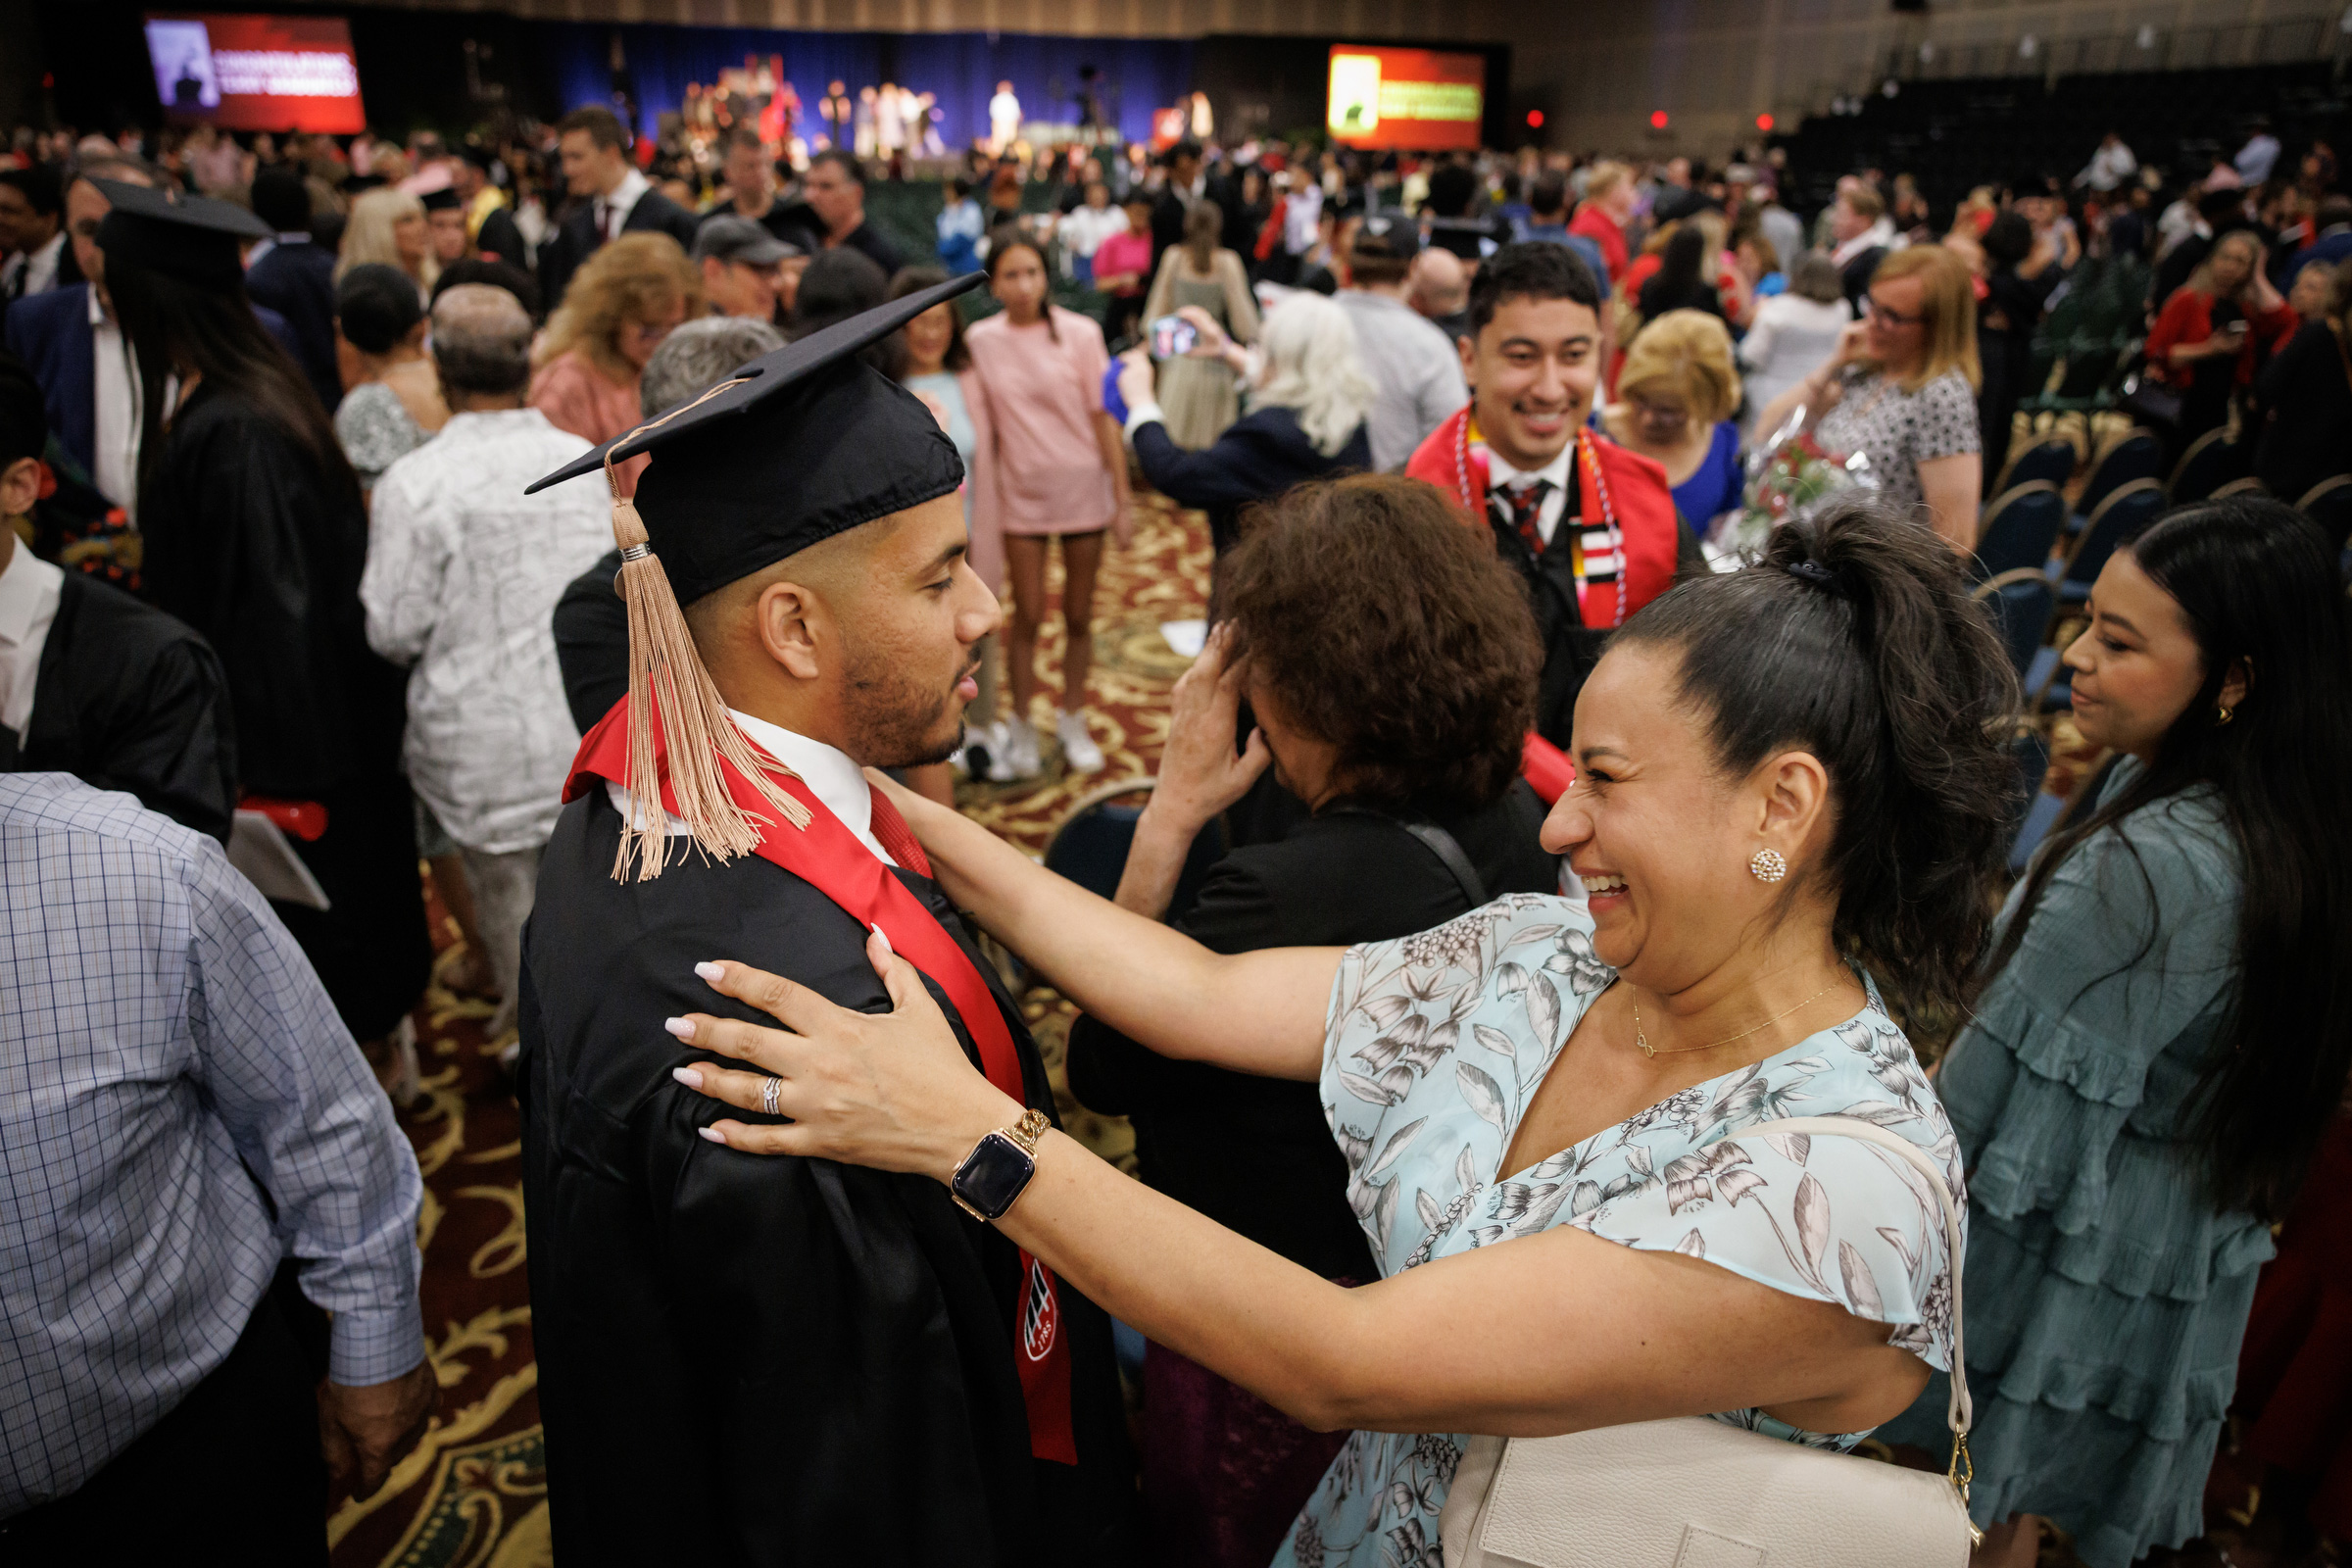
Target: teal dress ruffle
[[2105, 1295]]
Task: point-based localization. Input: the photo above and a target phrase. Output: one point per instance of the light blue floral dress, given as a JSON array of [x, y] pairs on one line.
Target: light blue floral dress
[[1433, 1048]]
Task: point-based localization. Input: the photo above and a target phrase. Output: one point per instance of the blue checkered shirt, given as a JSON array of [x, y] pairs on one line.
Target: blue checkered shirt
[[159, 1034]]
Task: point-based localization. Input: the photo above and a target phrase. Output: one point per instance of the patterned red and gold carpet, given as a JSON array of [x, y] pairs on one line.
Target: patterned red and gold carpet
[[474, 1495]]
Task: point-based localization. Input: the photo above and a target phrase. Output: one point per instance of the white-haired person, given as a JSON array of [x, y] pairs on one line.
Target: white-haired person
[[1308, 397], [389, 227]]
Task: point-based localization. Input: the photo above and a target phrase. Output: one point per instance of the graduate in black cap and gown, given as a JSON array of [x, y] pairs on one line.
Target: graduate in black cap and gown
[[255, 536], [759, 1361]]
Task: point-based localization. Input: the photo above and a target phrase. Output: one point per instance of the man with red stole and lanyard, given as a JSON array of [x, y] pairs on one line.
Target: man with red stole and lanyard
[[1590, 525], [948, 1400]]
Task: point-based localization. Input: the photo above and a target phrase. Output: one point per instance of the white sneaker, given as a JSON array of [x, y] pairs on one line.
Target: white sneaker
[[1014, 754], [1078, 749]]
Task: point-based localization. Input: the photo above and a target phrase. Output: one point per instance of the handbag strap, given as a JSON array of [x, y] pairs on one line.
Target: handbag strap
[[1960, 1414], [1444, 844]]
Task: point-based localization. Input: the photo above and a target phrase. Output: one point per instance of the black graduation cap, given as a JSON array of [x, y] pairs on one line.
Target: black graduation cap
[[795, 447], [442, 200], [801, 444], [193, 238]]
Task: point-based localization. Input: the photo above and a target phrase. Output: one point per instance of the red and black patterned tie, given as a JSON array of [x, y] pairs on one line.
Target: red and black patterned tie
[[893, 834], [1521, 507]]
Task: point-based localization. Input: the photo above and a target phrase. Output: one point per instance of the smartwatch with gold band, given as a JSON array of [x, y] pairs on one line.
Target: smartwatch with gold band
[[997, 1169]]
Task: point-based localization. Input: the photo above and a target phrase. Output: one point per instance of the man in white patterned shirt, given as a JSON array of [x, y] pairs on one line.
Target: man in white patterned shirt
[[463, 575], [180, 1111]]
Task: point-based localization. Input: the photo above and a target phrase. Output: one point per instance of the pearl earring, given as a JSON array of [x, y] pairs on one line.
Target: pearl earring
[[1767, 866]]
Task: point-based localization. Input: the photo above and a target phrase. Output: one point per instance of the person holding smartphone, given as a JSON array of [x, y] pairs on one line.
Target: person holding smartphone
[[2204, 341]]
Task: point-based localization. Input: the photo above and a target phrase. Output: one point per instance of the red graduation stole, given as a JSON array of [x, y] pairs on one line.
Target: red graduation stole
[[1634, 488], [829, 856]]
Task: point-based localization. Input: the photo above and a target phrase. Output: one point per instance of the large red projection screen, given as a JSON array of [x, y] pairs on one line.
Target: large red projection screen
[[257, 73], [1412, 98]]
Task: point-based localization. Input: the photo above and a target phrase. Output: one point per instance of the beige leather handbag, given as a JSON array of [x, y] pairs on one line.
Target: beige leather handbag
[[1693, 1492]]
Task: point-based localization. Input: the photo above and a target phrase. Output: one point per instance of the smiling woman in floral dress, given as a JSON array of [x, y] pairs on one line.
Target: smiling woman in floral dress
[[1760, 835]]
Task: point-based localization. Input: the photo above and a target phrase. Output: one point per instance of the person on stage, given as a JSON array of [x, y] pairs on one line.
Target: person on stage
[[897, 1384]]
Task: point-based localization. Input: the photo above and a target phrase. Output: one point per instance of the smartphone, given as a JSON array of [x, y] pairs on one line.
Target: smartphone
[[1173, 337]]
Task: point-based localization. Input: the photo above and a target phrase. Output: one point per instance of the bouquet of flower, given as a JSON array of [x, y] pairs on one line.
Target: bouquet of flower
[[1788, 477]]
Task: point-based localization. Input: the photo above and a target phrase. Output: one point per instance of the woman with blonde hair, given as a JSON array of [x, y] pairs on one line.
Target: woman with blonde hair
[[1201, 395], [388, 227], [2205, 337], [1674, 400], [622, 302], [1309, 397], [1901, 389]]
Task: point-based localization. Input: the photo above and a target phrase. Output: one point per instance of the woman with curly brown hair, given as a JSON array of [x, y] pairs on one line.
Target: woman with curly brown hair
[[1790, 793], [630, 296], [1390, 661]]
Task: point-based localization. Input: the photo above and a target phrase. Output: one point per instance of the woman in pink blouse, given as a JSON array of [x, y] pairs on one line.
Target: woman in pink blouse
[[622, 302], [1060, 470]]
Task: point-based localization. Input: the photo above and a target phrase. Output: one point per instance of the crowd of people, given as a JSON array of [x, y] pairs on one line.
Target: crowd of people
[[489, 517]]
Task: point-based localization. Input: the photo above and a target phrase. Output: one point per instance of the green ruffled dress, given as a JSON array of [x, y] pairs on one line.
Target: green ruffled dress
[[2105, 1297]]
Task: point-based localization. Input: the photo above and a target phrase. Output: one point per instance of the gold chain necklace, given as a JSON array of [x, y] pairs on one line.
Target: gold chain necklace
[[1675, 1051]]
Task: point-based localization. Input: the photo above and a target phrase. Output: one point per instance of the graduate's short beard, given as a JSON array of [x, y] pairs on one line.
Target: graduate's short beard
[[895, 721]]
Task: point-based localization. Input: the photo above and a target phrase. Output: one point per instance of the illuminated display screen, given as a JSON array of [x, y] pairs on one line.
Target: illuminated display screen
[[257, 73], [1413, 98]]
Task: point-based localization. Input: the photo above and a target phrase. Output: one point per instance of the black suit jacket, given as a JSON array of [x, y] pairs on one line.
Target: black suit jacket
[[1855, 278], [1570, 647], [575, 239], [297, 280], [1255, 1155]]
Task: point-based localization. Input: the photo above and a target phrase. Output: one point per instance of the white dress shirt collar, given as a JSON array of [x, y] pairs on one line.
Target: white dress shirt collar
[[1500, 477], [38, 267], [28, 595], [612, 208], [832, 776]]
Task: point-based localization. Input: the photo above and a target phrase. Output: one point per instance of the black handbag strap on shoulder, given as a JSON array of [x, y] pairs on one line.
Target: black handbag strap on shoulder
[[1439, 843]]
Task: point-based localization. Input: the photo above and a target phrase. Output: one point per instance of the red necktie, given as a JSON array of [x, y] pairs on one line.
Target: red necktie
[[1524, 504], [891, 831]]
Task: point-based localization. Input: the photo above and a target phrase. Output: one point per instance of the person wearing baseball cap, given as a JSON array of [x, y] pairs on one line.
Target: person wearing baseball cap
[[742, 265]]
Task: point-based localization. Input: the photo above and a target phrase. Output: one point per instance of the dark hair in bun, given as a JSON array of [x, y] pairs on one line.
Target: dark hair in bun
[[1854, 639]]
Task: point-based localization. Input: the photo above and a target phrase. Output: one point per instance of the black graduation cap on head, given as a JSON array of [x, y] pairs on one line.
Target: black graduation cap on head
[[798, 445], [193, 238], [443, 200]]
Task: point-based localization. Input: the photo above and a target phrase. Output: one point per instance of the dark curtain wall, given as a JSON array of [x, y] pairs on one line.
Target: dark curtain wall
[[1138, 74]]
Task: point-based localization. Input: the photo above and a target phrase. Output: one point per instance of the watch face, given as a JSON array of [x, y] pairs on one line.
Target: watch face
[[993, 1175]]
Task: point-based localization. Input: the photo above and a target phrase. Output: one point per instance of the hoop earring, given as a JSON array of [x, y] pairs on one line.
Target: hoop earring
[[1767, 866], [2223, 715]]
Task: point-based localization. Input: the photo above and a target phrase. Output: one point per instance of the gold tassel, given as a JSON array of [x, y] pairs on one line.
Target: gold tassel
[[666, 676]]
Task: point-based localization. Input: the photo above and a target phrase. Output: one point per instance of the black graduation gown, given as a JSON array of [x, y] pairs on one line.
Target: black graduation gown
[[129, 699], [251, 544], [753, 1360], [1570, 647]]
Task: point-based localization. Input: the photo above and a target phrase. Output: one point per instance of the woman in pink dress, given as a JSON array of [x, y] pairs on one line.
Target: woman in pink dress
[[1060, 470]]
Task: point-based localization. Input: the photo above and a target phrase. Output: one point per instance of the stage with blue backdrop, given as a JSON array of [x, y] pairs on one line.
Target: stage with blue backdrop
[[656, 62]]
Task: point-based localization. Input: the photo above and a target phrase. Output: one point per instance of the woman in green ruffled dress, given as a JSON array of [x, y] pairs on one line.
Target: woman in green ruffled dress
[[2160, 1037]]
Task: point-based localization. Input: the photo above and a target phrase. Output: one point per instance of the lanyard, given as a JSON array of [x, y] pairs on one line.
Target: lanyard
[[1588, 467]]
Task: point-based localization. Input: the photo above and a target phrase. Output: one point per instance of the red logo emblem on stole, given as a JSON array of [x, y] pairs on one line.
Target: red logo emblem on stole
[[1041, 1315]]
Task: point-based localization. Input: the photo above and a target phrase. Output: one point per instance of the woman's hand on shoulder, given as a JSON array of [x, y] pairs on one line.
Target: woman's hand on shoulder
[[1199, 772], [893, 1091]]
